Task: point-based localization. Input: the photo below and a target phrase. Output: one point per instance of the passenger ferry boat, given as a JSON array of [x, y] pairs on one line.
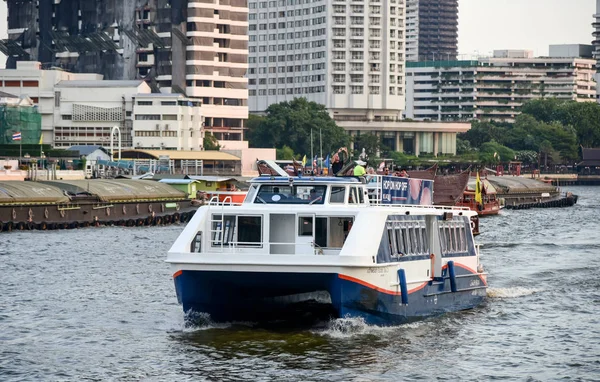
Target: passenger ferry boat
[[306, 248]]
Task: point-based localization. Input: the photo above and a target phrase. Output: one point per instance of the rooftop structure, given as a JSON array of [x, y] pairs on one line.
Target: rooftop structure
[[431, 30], [572, 50], [493, 88]]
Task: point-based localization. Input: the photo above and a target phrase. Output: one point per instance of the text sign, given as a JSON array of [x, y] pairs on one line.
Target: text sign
[[397, 190]]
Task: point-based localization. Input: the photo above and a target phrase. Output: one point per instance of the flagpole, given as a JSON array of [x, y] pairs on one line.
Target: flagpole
[[321, 143], [20, 150], [312, 156]]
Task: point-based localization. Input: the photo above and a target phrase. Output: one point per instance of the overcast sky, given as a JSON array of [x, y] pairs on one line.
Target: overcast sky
[[485, 25]]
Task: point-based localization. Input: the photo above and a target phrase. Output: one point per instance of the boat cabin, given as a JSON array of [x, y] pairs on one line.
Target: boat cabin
[[330, 191]]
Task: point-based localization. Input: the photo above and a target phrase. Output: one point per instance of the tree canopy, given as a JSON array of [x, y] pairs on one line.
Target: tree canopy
[[552, 127], [290, 124]]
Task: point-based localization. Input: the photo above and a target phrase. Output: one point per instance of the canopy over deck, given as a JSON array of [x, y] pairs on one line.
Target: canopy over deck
[[118, 190], [30, 192]]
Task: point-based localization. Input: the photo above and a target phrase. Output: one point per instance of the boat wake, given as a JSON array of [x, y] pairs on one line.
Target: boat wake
[[510, 292], [202, 321], [349, 327]]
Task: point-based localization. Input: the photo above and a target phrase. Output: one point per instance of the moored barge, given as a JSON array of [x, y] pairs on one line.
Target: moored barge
[[68, 204]]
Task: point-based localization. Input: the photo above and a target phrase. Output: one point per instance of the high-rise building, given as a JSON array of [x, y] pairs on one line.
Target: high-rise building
[[347, 55], [494, 88], [596, 43], [194, 47], [431, 30]]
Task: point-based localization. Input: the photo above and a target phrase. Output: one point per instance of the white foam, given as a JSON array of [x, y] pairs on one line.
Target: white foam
[[349, 327], [202, 321], [510, 292]]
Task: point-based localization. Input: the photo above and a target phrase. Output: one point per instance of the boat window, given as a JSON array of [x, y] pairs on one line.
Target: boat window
[[338, 195], [251, 192], [321, 232], [234, 230], [196, 246], [305, 226], [407, 238], [249, 231], [286, 194], [356, 196], [453, 236]]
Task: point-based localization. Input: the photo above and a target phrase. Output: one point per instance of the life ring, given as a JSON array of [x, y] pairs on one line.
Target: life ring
[[137, 208], [62, 213], [14, 214], [149, 207], [124, 210], [107, 211], [46, 213]]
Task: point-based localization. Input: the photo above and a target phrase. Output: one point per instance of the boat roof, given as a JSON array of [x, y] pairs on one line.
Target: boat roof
[[304, 179]]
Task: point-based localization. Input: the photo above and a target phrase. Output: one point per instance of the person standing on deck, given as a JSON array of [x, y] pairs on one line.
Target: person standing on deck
[[359, 169]]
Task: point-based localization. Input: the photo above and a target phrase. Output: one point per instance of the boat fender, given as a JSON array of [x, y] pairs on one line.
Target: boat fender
[[452, 274], [124, 210], [432, 257], [177, 206], [403, 287], [107, 211], [162, 208], [30, 213], [30, 226], [150, 209], [46, 213], [14, 214], [153, 214], [43, 226], [137, 208], [20, 226], [158, 220], [1, 225], [62, 213], [168, 219]]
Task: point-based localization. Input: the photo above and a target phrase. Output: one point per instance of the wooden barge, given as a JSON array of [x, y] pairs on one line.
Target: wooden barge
[[68, 204]]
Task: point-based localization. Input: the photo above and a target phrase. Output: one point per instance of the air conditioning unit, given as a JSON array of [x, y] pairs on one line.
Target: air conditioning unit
[[157, 126], [166, 126]]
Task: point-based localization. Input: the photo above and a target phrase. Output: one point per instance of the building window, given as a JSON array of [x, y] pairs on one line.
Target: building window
[[144, 103], [147, 117]]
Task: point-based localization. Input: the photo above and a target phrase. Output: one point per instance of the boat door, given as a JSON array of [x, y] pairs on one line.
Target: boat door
[[305, 234]]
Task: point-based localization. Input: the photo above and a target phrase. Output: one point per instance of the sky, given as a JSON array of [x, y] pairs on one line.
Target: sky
[[486, 25]]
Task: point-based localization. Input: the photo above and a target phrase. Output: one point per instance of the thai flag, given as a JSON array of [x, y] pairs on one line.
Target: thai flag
[[16, 137]]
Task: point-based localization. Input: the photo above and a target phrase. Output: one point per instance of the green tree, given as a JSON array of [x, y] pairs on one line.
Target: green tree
[[285, 153], [290, 123], [493, 152], [370, 142], [210, 142]]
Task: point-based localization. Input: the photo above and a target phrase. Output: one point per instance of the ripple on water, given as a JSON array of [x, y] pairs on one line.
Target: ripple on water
[[100, 304]]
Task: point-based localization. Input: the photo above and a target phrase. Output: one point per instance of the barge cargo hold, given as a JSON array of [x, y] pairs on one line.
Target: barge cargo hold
[[82, 203]]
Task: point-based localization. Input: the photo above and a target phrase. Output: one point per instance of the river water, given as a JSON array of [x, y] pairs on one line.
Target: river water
[[99, 304]]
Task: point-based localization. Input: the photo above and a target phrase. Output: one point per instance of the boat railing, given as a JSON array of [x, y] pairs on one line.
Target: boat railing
[[218, 246], [227, 201]]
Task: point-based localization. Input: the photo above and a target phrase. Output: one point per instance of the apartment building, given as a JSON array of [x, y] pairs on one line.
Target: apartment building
[[494, 88], [192, 47], [596, 44], [431, 30], [167, 122], [85, 112]]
